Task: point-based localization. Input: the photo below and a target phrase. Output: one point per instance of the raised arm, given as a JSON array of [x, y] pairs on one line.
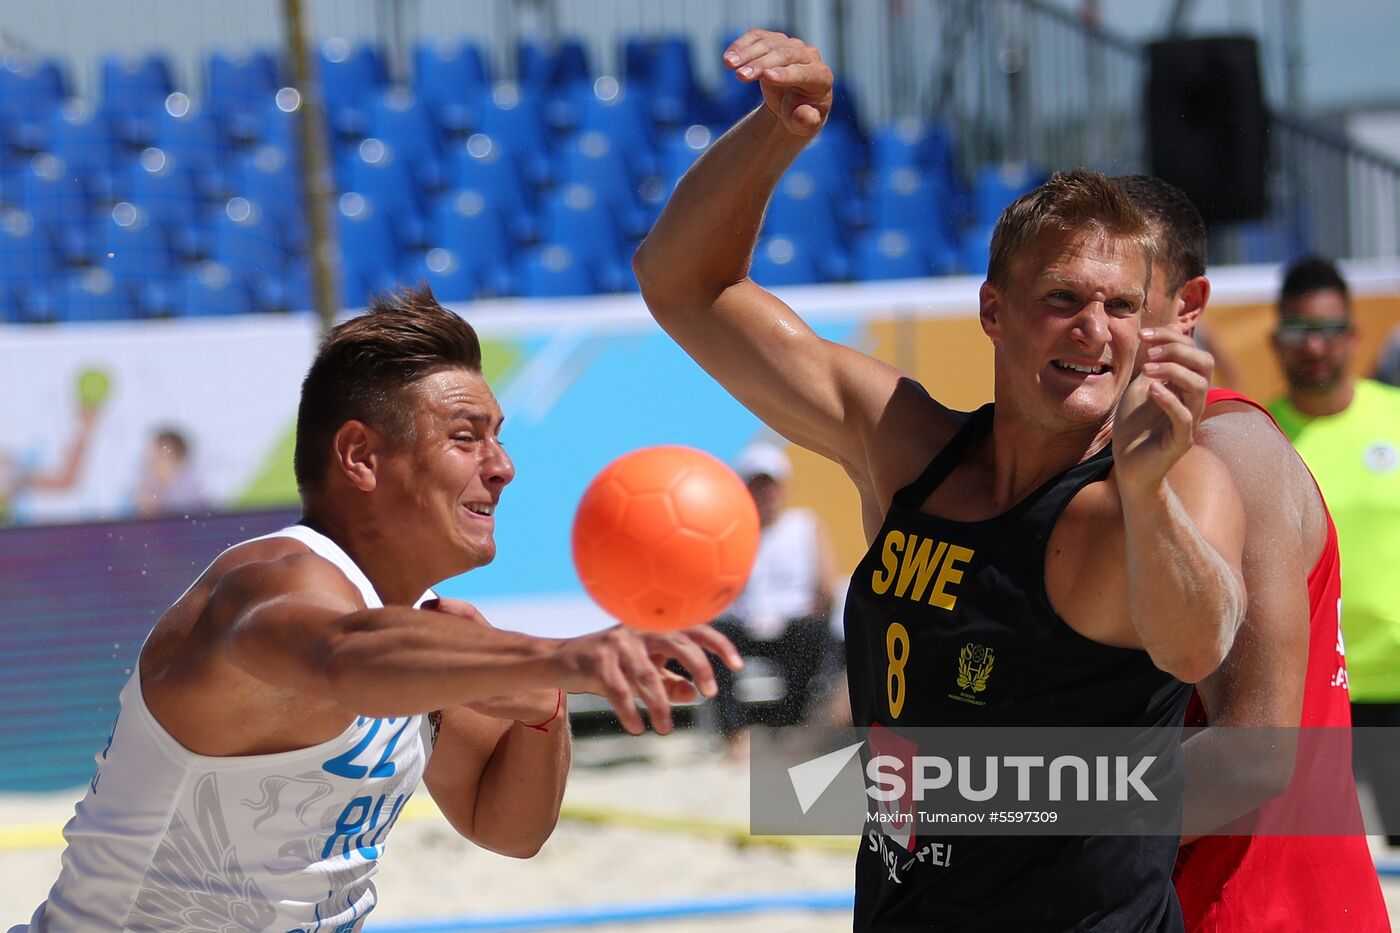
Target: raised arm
[[1182, 518], [1245, 755], [64, 476], [693, 268]]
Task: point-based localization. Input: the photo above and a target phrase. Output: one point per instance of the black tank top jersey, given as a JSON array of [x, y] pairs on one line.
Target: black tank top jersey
[[949, 624]]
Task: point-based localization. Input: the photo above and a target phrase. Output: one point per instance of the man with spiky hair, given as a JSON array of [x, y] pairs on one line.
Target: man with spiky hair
[[287, 705]]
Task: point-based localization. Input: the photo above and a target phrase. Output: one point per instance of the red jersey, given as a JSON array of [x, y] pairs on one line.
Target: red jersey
[[1258, 882]]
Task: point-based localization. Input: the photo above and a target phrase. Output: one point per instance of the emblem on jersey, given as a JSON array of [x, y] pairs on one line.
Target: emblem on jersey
[[975, 664], [1381, 457]]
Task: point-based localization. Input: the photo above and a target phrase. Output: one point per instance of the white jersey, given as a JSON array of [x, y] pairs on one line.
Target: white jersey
[[167, 840], [786, 576]]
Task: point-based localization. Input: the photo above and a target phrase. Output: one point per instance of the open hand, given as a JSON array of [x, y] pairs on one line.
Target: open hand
[[624, 666], [796, 83], [1158, 414]]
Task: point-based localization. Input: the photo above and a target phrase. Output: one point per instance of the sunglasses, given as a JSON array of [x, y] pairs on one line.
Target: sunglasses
[[1295, 333]]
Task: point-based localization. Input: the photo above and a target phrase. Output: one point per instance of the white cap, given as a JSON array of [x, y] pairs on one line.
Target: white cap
[[763, 459]]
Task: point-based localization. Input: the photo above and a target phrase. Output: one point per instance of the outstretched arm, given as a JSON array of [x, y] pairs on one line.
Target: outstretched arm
[[693, 268], [297, 623], [1182, 518]]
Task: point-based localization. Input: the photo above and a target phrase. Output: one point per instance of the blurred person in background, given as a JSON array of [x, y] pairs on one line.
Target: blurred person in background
[[1253, 867], [168, 484], [1347, 430], [781, 615], [18, 480]]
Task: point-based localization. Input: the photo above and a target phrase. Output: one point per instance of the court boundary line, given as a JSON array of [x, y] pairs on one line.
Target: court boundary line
[[593, 915]]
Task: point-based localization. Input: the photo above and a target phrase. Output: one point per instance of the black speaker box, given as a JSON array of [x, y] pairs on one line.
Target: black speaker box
[[1207, 126]]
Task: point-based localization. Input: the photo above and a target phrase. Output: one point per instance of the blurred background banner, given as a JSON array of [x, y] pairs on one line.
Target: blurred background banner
[[229, 386]]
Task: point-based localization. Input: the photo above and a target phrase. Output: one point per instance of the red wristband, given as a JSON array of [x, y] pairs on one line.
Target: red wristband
[[558, 707]]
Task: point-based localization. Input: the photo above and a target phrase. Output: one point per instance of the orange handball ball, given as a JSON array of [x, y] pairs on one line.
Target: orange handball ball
[[665, 537]]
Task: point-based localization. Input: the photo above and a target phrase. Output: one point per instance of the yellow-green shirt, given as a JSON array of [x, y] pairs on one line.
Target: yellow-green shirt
[[1355, 456]]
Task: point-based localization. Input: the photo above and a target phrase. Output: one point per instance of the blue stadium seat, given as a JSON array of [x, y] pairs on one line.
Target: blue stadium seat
[[557, 73], [136, 251], [351, 77], [93, 296], [846, 122], [84, 140], [10, 310], [570, 64], [58, 202], [209, 289], [277, 123], [802, 210], [134, 89], [974, 252], [593, 159], [780, 260], [193, 138], [250, 243], [237, 84], [830, 162], [673, 92], [451, 277], [909, 199], [486, 166], [295, 293], [370, 254], [31, 89], [891, 254], [996, 185], [545, 67], [450, 78], [608, 109], [576, 218], [917, 144], [268, 177], [534, 66], [472, 228], [403, 122], [679, 150], [636, 61], [900, 143], [378, 172], [552, 271], [29, 261], [511, 115], [167, 192]]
